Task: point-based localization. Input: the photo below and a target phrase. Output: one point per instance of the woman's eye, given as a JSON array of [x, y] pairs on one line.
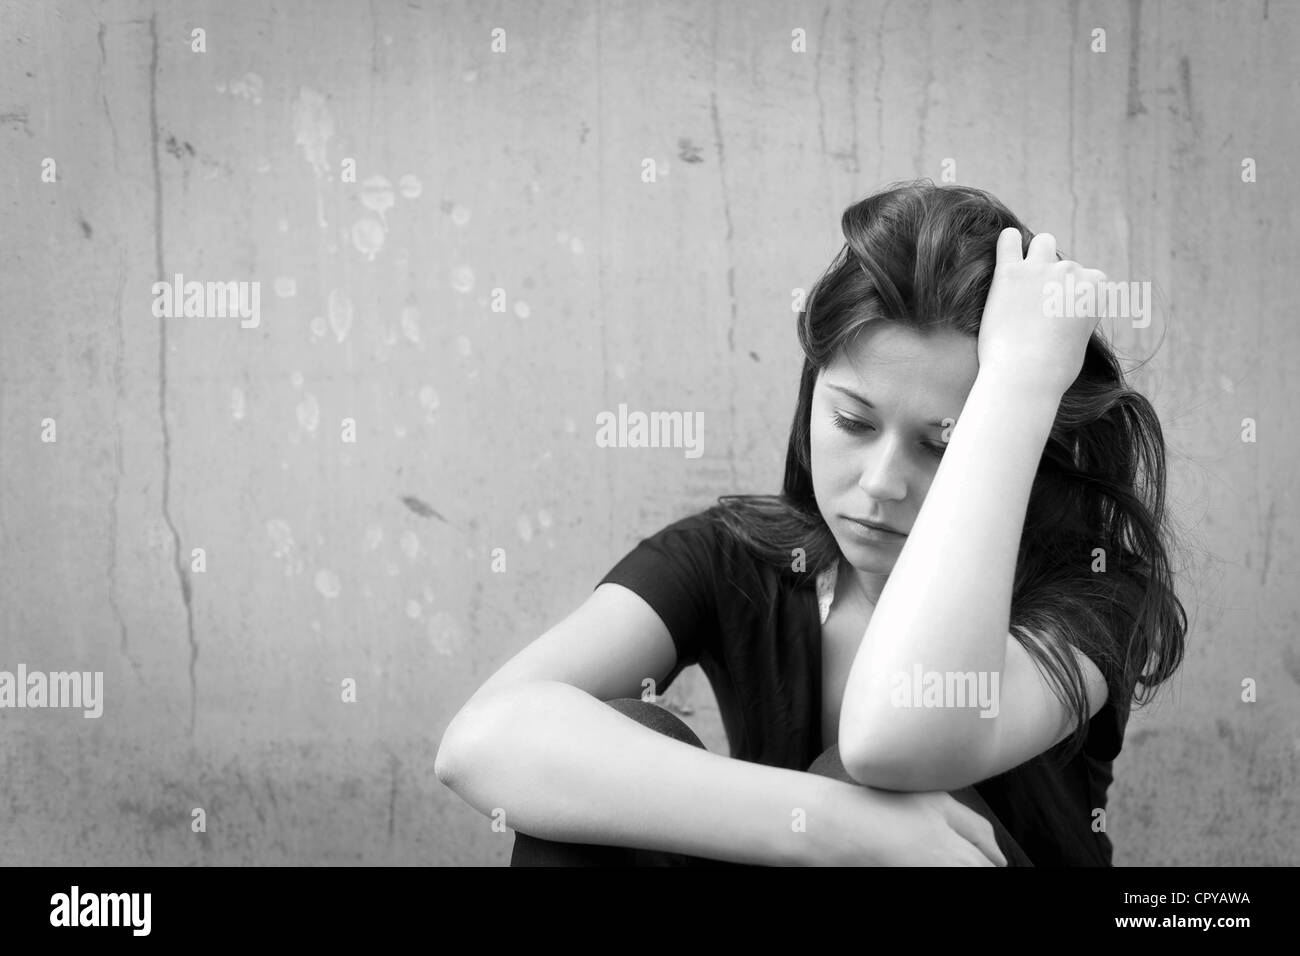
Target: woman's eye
[[854, 426], [849, 424]]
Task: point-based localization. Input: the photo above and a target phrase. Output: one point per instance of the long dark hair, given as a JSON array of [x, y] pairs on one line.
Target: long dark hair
[[923, 255]]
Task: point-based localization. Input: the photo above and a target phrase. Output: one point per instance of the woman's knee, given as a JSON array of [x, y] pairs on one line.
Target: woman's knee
[[657, 718], [533, 851], [830, 765]]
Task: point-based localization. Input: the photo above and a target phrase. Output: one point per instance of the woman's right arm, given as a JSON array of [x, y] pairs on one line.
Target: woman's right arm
[[565, 766], [562, 765], [538, 742]]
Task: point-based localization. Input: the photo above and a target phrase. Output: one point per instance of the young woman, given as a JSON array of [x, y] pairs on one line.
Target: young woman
[[925, 649]]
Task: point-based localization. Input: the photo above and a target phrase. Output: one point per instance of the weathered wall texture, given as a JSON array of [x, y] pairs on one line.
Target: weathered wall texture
[[521, 171]]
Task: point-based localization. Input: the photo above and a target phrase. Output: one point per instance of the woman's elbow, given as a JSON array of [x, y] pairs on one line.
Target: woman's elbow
[[888, 765], [872, 771], [443, 764], [875, 753], [463, 742]]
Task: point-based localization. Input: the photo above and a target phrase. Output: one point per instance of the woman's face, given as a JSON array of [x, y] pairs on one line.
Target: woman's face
[[877, 462]]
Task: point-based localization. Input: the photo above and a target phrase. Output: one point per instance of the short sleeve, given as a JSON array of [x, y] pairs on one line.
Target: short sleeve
[[1106, 732], [1105, 737], [673, 571]]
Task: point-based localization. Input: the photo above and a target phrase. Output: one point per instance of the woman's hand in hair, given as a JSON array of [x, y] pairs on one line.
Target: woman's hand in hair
[[1035, 326]]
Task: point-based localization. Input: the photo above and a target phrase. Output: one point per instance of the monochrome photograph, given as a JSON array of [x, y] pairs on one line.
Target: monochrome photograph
[[739, 435]]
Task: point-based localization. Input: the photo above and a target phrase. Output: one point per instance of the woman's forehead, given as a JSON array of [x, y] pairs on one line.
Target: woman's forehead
[[892, 357]]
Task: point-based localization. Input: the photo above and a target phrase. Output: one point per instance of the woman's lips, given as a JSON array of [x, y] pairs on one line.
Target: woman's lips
[[869, 529]]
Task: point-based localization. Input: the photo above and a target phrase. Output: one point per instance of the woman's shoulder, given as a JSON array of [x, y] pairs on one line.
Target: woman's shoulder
[[698, 527], [709, 538]]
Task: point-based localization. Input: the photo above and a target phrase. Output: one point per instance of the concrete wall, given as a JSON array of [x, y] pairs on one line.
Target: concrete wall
[[521, 171]]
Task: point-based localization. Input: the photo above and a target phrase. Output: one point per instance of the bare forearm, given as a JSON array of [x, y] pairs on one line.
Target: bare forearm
[[564, 766], [946, 605]]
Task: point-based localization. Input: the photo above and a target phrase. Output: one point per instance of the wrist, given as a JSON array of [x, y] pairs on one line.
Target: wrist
[[1022, 383], [828, 813]]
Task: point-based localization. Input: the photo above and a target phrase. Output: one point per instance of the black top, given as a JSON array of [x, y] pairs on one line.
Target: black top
[[756, 634]]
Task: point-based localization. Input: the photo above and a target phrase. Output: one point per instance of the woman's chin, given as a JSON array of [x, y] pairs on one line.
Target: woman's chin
[[868, 556]]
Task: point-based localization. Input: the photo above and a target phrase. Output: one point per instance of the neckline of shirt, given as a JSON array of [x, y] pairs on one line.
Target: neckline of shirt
[[826, 590]]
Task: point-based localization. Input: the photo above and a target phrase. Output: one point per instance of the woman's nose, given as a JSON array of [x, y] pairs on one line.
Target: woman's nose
[[884, 475]]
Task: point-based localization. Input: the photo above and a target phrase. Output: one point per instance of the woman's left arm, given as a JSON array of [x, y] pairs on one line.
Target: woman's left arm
[[940, 694]]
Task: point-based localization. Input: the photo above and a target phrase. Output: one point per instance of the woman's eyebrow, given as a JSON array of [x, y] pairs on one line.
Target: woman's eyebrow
[[867, 402]]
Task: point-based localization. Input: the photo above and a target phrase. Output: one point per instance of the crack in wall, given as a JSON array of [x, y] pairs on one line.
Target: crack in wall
[[1074, 195], [817, 84], [731, 261], [600, 261], [103, 95], [162, 370], [880, 103], [1134, 58], [394, 765], [919, 161], [124, 645], [853, 101]]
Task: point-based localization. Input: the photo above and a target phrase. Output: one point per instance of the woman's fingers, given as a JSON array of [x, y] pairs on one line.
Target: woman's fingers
[[977, 830], [1042, 246], [1009, 246], [977, 858]]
